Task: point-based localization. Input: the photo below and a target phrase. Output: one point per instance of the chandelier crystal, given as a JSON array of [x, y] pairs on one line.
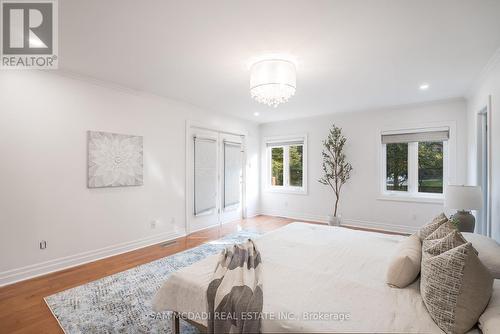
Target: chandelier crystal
[[273, 81]]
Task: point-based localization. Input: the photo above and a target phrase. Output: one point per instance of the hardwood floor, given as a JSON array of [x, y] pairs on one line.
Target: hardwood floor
[[23, 310]]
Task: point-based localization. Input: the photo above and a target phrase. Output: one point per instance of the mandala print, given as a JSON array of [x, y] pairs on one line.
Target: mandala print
[[114, 160]]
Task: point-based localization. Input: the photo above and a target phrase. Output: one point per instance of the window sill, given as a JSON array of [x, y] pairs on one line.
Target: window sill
[[412, 198], [287, 190]]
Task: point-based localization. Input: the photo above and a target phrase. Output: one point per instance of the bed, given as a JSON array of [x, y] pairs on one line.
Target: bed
[[315, 279]]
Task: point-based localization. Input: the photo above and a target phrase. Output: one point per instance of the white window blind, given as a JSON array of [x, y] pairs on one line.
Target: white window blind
[[232, 173], [285, 143], [410, 137], [205, 175]]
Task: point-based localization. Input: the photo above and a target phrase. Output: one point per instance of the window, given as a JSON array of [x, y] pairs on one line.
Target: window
[[277, 166], [286, 164], [397, 167], [413, 163], [430, 167], [296, 168]]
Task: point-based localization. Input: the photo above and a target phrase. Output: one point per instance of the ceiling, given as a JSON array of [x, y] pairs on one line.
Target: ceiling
[[352, 55]]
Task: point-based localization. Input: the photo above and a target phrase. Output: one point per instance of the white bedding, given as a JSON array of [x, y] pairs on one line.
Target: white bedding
[[316, 270]]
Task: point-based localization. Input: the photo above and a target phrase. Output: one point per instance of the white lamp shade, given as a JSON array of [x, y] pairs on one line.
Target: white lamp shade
[[463, 198]]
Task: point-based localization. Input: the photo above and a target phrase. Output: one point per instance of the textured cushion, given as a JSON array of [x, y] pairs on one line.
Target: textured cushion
[[405, 266], [433, 247], [455, 239], [443, 230], [427, 230], [489, 251], [455, 285], [489, 321]]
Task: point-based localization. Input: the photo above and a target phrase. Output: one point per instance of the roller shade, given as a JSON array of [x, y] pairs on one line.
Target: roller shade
[[285, 142], [441, 135], [232, 173], [205, 175]]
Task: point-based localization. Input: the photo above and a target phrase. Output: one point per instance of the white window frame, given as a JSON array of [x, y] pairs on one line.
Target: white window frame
[[412, 195], [282, 140]]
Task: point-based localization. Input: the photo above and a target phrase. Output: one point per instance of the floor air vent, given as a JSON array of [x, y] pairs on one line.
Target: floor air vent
[[168, 243]]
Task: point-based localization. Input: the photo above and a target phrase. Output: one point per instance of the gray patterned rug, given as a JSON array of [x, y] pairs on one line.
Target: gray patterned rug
[[121, 303]]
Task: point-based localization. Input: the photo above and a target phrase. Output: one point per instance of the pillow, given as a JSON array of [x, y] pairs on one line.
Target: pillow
[[489, 251], [405, 266], [489, 321], [433, 247], [426, 230], [443, 230], [455, 285]]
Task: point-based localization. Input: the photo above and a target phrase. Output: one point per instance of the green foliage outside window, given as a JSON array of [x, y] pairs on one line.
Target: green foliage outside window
[[277, 166], [296, 166], [397, 167], [430, 167]]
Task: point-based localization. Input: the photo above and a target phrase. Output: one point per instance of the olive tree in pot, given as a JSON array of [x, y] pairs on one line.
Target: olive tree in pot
[[336, 170]]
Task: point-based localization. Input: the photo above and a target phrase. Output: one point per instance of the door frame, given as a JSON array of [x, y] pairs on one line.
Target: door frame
[[486, 110], [202, 126]]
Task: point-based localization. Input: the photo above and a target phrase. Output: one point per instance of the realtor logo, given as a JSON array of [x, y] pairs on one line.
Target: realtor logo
[[29, 34]]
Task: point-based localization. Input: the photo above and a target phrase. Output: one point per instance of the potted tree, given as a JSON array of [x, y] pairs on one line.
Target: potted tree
[[336, 170]]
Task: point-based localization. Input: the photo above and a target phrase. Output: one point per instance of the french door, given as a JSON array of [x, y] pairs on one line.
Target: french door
[[215, 178]]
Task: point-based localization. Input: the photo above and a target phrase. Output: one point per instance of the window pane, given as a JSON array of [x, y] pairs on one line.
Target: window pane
[[397, 167], [296, 166], [430, 167], [277, 166]]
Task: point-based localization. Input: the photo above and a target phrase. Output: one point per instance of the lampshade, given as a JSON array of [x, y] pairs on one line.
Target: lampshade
[[272, 81], [463, 197]]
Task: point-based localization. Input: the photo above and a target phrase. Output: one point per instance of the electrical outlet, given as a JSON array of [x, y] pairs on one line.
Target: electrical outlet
[[172, 220], [154, 223], [43, 244]]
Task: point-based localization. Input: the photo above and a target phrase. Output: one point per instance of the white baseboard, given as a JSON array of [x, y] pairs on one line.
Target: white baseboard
[[43, 268], [345, 221]]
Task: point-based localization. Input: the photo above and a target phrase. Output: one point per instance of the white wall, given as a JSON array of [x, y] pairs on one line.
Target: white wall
[[43, 122], [488, 85], [360, 204]]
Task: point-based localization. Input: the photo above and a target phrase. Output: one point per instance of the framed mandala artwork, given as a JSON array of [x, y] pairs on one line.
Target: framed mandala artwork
[[114, 160]]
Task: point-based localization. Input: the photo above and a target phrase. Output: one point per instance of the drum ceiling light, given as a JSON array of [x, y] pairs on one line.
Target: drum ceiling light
[[273, 81]]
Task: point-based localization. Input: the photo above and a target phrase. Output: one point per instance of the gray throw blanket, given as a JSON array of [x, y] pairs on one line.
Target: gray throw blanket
[[235, 293]]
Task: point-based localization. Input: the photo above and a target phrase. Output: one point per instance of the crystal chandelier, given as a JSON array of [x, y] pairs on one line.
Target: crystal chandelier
[[272, 81]]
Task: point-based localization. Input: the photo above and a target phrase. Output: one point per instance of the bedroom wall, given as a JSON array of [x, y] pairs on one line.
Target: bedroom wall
[[43, 122], [360, 203], [487, 86]]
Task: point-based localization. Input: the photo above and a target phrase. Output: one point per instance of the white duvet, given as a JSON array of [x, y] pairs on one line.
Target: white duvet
[[313, 277]]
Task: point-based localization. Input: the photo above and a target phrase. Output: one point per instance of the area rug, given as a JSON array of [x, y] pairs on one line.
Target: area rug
[[121, 303]]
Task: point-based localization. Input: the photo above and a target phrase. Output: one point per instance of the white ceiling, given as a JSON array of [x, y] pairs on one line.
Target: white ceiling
[[352, 54]]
